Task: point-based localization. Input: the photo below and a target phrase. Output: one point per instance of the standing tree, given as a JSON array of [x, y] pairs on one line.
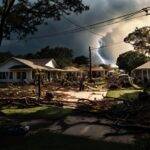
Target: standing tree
[[62, 55], [4, 56], [22, 17], [81, 60], [131, 60], [140, 39]]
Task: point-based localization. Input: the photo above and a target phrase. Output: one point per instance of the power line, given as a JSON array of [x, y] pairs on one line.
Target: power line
[[123, 18], [84, 28], [116, 18], [116, 22], [126, 17], [76, 30], [105, 46], [110, 45]]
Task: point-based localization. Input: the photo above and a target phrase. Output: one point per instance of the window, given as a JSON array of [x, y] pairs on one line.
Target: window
[[18, 75], [145, 73], [1, 76], [10, 75], [4, 75], [33, 75], [24, 75]]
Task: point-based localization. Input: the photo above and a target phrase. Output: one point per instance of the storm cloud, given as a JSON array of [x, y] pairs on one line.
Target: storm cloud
[[99, 10]]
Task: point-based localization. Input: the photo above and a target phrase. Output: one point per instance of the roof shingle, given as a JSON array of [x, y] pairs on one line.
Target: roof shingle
[[144, 66]]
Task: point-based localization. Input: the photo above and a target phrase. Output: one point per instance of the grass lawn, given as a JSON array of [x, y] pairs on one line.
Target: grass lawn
[[128, 94], [25, 115], [42, 139], [46, 112], [45, 140]]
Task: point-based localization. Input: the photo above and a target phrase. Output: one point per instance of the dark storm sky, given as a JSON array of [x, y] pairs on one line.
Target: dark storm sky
[[99, 10]]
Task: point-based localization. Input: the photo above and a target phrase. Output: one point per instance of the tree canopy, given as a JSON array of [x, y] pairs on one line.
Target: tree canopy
[[81, 60], [22, 17], [140, 39], [4, 56], [56, 52], [131, 60], [62, 55]]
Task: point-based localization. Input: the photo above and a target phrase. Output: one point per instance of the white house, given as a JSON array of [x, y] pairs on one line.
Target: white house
[[19, 70], [142, 72]]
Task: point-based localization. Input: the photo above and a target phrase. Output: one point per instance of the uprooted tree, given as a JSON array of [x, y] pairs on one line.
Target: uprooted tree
[[22, 17], [140, 39]]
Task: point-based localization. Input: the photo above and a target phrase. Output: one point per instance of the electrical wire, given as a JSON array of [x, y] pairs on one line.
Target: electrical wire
[[88, 28]]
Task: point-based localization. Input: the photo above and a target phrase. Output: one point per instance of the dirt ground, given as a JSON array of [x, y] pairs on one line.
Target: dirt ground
[[60, 92], [75, 96]]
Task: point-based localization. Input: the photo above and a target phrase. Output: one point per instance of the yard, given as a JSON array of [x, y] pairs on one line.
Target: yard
[[127, 94], [41, 137], [62, 128]]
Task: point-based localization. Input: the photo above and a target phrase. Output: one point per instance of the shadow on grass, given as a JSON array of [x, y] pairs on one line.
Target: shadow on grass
[[41, 112], [46, 141], [130, 96]]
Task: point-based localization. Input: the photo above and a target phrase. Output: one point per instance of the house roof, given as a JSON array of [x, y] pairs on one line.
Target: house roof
[[30, 64], [71, 69], [40, 62], [144, 66], [94, 68], [19, 67], [98, 69]]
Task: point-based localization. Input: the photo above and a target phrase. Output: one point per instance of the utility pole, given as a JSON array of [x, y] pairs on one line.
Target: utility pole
[[90, 64], [38, 85]]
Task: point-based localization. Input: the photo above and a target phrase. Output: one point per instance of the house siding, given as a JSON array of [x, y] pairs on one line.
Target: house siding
[[4, 68]]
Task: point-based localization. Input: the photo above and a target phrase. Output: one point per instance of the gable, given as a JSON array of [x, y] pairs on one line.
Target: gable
[[18, 62], [51, 64], [40, 62], [144, 66], [8, 64]]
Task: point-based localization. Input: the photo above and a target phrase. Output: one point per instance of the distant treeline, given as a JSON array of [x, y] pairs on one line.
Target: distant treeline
[[62, 55]]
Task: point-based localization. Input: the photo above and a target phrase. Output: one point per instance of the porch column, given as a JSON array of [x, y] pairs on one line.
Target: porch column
[[14, 76], [147, 74], [29, 75], [142, 74]]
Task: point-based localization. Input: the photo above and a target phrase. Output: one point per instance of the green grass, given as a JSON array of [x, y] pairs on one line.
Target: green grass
[[44, 140], [48, 141], [46, 112], [128, 94]]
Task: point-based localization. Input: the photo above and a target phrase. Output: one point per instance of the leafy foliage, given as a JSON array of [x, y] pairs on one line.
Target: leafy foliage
[[105, 66], [131, 60], [22, 17], [81, 60], [62, 55], [4, 56], [140, 39], [59, 52]]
